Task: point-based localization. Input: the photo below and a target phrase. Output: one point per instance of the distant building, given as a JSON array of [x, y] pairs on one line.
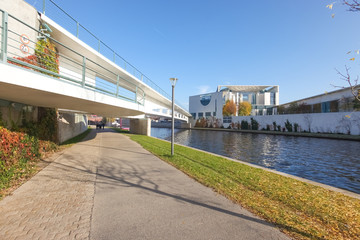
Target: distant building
[[341, 100], [262, 98]]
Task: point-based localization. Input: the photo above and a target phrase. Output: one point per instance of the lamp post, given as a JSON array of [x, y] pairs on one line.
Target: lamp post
[[173, 83]]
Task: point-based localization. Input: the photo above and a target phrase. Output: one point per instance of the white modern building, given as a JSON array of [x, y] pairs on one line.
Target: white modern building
[[262, 98], [341, 100]]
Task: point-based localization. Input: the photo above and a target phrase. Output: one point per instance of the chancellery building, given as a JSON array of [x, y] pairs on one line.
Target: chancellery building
[[262, 98]]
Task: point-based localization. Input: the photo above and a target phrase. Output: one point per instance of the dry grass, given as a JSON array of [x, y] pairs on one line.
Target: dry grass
[[301, 210]]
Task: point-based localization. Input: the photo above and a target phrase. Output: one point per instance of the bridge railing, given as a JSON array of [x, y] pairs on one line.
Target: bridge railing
[[59, 15], [36, 54]]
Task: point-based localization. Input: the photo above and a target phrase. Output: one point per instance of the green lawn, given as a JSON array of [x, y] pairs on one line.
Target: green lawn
[[301, 210]]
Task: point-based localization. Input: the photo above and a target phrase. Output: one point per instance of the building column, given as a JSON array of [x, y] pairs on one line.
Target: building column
[[140, 126]]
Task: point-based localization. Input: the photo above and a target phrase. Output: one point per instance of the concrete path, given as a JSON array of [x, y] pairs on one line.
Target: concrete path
[[110, 188]]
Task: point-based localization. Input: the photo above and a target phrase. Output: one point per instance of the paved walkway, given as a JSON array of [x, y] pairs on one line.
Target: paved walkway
[[110, 188]]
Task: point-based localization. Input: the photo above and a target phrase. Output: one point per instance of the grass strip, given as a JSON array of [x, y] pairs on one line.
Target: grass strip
[[301, 210], [120, 130]]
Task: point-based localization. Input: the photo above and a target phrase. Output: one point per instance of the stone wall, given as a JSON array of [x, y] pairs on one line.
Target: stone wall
[[168, 125], [337, 122], [71, 125]]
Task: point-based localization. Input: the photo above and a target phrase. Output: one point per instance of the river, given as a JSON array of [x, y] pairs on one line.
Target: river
[[332, 162]]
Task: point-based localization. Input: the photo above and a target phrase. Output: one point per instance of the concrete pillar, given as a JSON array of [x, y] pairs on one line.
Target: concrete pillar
[[186, 125], [140, 126]]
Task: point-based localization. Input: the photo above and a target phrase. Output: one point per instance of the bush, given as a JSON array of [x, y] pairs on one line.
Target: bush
[[254, 124], [288, 126], [296, 127], [18, 151], [244, 125], [201, 123]]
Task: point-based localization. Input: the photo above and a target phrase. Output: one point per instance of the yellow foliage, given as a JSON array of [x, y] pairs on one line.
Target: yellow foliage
[[245, 109]]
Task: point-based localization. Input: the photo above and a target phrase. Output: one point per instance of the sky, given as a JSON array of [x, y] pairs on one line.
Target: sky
[[297, 45]]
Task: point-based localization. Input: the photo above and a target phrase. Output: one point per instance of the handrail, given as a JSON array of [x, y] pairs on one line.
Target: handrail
[[12, 57], [142, 78]]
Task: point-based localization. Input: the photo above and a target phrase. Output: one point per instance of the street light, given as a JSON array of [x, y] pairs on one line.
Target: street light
[[173, 83]]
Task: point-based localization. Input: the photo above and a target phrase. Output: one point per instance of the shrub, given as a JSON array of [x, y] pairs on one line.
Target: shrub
[[201, 122], [244, 125], [296, 126], [18, 153], [254, 124], [274, 126], [288, 126]]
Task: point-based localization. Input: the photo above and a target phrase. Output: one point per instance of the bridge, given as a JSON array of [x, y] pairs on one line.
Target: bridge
[[43, 64]]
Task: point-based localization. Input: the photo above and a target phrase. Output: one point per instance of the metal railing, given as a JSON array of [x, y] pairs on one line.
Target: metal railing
[[78, 70], [59, 15]]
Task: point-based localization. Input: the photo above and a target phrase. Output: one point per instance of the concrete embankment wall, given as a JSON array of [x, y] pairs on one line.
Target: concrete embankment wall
[[71, 125], [337, 122], [183, 125]]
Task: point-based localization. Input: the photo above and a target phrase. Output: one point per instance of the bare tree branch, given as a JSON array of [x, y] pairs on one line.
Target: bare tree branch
[[354, 5], [355, 91]]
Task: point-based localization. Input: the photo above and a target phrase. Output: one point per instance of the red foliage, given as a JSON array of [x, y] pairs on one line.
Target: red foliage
[[32, 59], [15, 147]]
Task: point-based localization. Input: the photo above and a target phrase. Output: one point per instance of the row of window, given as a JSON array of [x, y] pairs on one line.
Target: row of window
[[201, 115]]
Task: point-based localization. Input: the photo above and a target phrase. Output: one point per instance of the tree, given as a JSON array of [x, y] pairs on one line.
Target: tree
[[229, 109], [244, 109], [352, 83], [354, 5]]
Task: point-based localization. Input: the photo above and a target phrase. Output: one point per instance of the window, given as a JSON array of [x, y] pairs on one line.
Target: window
[[208, 114], [214, 114], [325, 107], [205, 99], [334, 106], [193, 115], [200, 114], [245, 97], [272, 98], [227, 119]]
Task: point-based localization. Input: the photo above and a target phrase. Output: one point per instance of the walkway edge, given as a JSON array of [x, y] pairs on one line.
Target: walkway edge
[[339, 190]]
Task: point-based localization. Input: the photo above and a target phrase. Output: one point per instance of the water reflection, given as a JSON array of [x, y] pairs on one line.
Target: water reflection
[[332, 162]]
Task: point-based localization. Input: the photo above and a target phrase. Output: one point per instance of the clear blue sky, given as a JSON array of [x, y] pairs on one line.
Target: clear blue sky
[[204, 43]]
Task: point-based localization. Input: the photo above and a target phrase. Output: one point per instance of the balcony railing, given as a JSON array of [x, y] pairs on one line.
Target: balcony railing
[[60, 16], [24, 51]]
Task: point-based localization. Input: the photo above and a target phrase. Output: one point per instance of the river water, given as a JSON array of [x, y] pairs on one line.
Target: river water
[[332, 162]]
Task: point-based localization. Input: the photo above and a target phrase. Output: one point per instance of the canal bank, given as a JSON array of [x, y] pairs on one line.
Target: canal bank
[[327, 161], [295, 134], [302, 210], [335, 189]]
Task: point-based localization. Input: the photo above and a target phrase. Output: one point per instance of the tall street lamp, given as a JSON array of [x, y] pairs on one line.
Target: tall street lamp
[[173, 83]]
